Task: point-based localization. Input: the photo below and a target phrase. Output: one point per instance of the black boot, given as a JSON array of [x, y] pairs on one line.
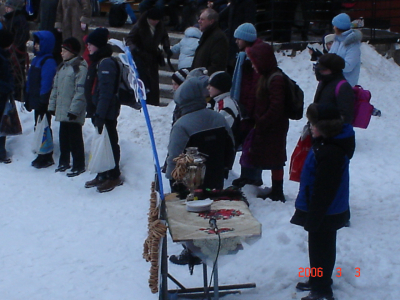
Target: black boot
[[276, 192], [186, 257]]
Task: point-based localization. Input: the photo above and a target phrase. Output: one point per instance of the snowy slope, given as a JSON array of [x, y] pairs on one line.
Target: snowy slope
[[60, 241]]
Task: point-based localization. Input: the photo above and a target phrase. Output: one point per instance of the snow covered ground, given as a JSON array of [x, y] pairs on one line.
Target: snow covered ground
[[60, 241]]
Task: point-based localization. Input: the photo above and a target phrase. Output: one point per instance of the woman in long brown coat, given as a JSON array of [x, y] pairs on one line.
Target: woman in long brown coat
[[143, 40], [267, 149], [73, 19]]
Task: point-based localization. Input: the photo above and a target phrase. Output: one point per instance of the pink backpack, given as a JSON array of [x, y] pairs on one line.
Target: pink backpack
[[362, 108]]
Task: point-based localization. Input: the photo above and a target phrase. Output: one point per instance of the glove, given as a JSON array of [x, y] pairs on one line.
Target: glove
[[72, 117], [27, 106], [42, 108], [226, 173], [169, 53], [52, 112], [99, 123]]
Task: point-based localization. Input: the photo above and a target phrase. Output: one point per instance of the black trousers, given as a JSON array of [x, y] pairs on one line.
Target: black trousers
[[111, 126], [71, 143], [322, 254], [3, 153]]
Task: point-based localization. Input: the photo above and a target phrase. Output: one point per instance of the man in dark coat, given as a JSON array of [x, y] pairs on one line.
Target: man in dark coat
[[6, 84], [322, 205], [15, 22], [102, 105], [143, 41], [212, 52], [329, 72]]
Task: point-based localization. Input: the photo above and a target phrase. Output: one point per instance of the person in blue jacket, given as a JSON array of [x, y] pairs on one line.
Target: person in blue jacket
[[39, 85], [322, 205], [6, 84]]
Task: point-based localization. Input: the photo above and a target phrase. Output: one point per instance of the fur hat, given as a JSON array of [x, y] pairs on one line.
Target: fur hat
[[246, 32], [72, 45], [6, 38], [99, 37], [342, 21], [155, 14], [221, 80], [326, 117], [15, 4], [332, 62], [180, 76]]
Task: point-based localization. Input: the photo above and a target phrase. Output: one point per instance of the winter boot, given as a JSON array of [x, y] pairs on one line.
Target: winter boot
[[276, 192], [75, 172], [62, 168], [109, 185], [5, 160], [242, 181], [185, 258], [45, 161], [303, 286], [318, 296], [97, 181]]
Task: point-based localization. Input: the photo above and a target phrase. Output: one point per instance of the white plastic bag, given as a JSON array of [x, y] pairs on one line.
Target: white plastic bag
[[101, 157], [42, 137]]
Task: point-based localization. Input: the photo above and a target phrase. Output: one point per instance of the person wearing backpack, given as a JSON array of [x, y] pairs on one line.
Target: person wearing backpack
[[265, 146], [68, 105], [102, 104], [39, 84], [329, 72]]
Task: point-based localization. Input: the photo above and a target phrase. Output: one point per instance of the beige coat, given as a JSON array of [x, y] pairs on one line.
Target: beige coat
[[70, 15]]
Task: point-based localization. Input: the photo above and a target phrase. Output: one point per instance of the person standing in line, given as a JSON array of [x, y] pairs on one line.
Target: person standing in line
[[68, 105], [6, 84], [265, 146], [102, 105], [347, 44], [212, 52], [16, 23], [73, 19], [143, 41], [329, 72], [322, 204], [244, 81], [39, 84]]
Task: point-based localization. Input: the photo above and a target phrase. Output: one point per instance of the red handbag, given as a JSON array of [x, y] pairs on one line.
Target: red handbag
[[299, 157]]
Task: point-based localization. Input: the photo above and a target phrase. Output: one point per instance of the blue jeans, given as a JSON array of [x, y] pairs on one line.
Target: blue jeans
[[130, 12]]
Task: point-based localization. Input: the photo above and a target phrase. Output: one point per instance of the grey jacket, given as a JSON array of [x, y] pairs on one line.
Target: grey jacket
[[67, 95], [196, 118]]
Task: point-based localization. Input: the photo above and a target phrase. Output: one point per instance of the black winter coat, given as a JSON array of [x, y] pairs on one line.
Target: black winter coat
[[212, 51], [344, 100], [144, 48], [6, 78], [100, 85]]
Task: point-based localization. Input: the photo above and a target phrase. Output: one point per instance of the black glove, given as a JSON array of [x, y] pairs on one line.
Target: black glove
[[52, 112], [27, 106], [169, 53], [226, 173], [71, 116], [99, 123], [41, 108]]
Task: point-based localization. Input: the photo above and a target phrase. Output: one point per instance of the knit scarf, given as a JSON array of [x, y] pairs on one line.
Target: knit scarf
[[237, 76]]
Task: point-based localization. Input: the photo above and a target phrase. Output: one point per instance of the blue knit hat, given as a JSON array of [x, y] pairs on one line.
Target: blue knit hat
[[342, 21], [246, 32]]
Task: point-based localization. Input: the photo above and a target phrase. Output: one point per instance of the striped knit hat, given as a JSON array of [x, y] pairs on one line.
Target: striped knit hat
[[180, 76]]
